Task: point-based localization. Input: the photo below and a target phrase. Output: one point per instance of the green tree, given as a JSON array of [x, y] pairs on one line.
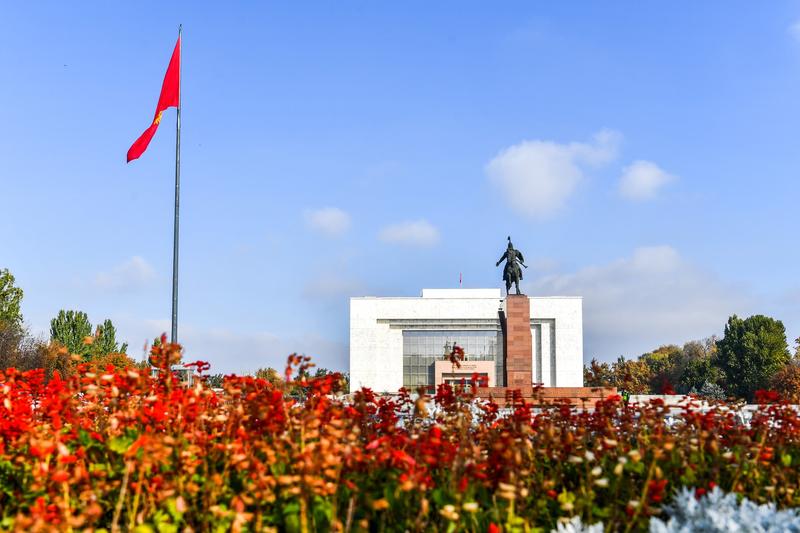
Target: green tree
[[666, 365], [598, 374], [105, 340], [215, 380], [10, 298], [751, 352], [786, 382], [632, 375], [271, 375], [73, 330], [711, 391], [699, 372]]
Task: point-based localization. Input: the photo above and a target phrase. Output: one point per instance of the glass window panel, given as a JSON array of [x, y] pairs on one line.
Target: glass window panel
[[421, 348]]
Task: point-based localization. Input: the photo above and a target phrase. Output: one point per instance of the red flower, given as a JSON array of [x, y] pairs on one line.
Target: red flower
[[655, 489], [767, 396], [60, 476]]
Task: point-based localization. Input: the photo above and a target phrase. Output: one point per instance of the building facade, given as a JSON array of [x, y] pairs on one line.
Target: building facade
[[400, 342]]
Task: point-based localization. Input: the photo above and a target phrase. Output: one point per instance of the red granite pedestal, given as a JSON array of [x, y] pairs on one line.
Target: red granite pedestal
[[518, 349], [518, 343]]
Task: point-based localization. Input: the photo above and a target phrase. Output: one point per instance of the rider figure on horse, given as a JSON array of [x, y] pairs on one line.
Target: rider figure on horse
[[512, 273]]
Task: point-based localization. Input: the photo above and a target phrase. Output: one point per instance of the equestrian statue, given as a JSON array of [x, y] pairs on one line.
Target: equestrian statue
[[512, 273]]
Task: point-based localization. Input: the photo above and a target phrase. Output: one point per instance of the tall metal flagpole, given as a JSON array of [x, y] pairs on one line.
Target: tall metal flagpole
[[177, 196]]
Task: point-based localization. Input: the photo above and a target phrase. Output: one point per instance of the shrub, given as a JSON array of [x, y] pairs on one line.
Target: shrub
[[710, 391], [121, 449], [717, 512], [786, 382]]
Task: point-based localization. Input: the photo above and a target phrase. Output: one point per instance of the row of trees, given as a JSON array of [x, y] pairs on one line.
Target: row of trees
[[73, 338], [753, 354], [277, 379]]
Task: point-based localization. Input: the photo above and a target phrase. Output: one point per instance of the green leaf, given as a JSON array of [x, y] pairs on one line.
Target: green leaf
[[172, 508], [566, 497], [120, 444], [323, 511], [291, 516]]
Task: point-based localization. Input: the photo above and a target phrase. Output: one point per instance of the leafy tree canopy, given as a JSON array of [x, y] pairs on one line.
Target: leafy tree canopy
[[786, 382], [10, 298], [215, 380], [598, 374], [269, 374], [752, 350], [73, 330]]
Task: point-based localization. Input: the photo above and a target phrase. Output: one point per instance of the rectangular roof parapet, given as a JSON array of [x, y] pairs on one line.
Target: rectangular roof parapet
[[478, 294], [462, 293]]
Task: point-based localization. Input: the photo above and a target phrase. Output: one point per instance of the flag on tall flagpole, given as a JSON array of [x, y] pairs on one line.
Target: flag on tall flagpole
[[170, 97]]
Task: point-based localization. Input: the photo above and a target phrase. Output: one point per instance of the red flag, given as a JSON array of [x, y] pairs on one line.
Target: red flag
[[170, 97]]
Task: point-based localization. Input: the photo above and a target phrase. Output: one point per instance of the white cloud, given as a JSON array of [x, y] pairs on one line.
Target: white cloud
[[131, 274], [538, 177], [633, 305], [412, 233], [544, 264], [794, 30], [330, 221], [641, 180]]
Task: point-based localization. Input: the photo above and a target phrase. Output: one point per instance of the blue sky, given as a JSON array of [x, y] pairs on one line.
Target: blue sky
[[642, 156]]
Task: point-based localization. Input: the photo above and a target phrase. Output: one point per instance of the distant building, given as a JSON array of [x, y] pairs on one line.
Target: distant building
[[400, 342]]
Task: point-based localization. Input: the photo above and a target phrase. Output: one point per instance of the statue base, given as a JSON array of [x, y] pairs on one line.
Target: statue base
[[517, 342]]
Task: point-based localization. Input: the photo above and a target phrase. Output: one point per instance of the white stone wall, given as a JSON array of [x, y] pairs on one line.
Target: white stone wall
[[564, 314], [376, 350]]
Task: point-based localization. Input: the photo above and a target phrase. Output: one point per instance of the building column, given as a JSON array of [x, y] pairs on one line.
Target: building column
[[518, 342]]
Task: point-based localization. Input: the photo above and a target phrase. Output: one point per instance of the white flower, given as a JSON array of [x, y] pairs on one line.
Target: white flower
[[574, 525], [717, 512], [470, 507]]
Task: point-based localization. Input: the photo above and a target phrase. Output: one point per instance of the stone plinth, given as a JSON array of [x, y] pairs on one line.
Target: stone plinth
[[579, 396], [517, 342], [445, 371]]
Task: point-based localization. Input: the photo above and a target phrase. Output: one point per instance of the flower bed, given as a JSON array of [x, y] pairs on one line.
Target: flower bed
[[125, 451]]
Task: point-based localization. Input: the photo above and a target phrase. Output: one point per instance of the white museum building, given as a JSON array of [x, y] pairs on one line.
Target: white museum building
[[401, 341]]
